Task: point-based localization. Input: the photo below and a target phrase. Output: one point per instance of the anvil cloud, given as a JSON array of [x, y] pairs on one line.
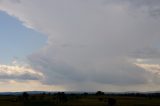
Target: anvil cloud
[[93, 44]]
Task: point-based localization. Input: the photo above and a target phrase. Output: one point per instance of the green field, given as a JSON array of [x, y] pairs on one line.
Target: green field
[[77, 100]]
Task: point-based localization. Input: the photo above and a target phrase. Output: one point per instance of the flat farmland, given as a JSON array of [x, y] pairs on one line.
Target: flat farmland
[[77, 100]]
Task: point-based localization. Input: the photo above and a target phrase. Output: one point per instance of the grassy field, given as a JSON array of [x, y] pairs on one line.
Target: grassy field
[[76, 100]]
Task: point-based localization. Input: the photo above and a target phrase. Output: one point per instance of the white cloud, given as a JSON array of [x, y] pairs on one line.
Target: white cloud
[[30, 85], [19, 72], [91, 41], [153, 68]]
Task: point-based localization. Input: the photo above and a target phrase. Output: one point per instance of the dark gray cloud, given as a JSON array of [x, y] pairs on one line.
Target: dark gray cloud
[[56, 72], [13, 1], [60, 73], [132, 76], [150, 6], [147, 53], [20, 77]]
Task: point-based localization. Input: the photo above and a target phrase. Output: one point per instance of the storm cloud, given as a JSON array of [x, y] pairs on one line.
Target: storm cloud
[[93, 42]]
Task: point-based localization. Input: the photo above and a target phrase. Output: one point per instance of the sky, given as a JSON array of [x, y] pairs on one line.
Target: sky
[[16, 40], [80, 45]]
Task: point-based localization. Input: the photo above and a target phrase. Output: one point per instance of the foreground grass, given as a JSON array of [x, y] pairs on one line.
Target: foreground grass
[[77, 100]]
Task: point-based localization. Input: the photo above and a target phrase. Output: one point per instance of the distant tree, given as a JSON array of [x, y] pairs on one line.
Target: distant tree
[[43, 95], [61, 97], [100, 93], [25, 95], [85, 94]]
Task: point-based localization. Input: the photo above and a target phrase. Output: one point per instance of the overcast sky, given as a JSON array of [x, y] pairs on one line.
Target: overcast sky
[[80, 45]]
